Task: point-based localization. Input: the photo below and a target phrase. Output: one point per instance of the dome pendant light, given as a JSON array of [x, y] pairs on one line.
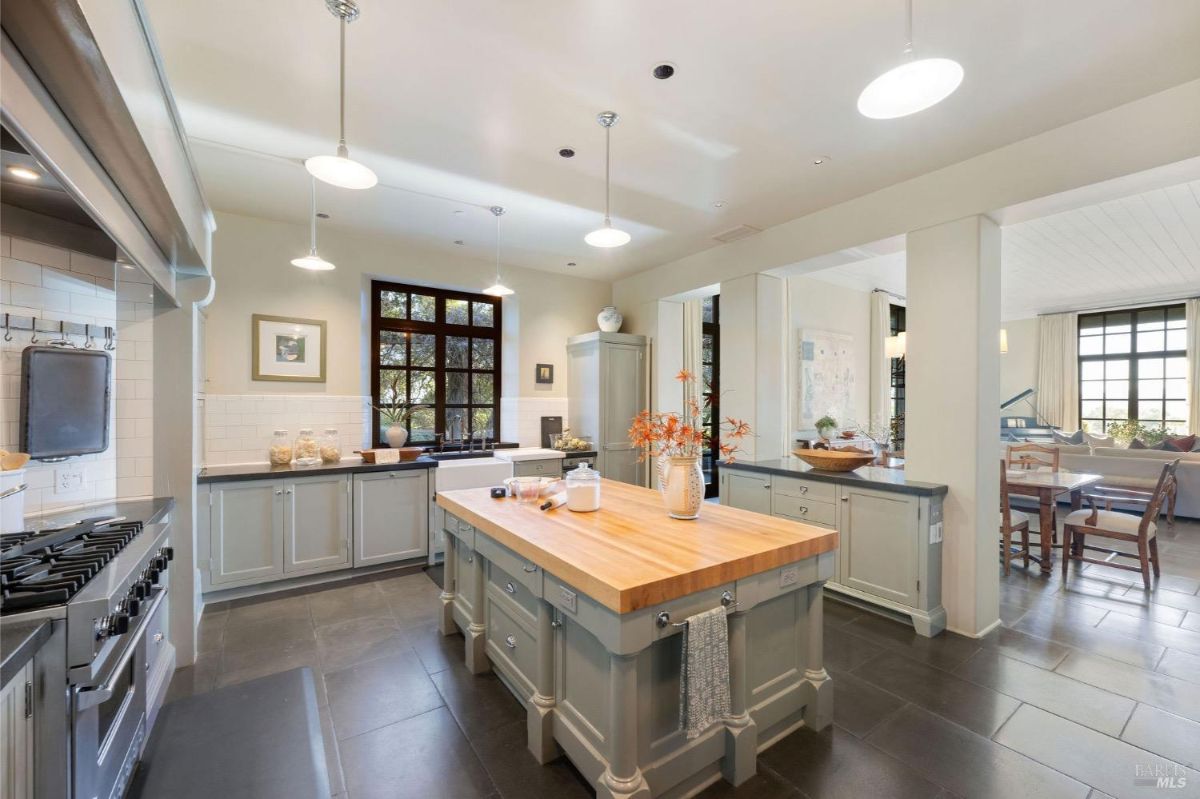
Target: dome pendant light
[[312, 261], [341, 170], [607, 236], [497, 289], [911, 87]]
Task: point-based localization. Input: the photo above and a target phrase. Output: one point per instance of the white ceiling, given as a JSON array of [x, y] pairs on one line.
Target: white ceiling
[[462, 105], [1140, 248]]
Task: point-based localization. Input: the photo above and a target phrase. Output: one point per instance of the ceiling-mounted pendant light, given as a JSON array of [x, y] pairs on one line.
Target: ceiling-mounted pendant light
[[497, 289], [607, 236], [341, 170], [911, 87], [312, 261]]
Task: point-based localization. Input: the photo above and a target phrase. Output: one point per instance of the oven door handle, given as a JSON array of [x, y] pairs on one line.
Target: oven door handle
[[90, 697]]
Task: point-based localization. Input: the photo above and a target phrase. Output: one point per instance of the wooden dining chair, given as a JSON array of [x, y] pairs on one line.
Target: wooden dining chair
[[1011, 521], [1109, 523], [1033, 456]]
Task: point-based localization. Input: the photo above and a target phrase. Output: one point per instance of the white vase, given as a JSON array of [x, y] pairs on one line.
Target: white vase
[[683, 487], [397, 436], [610, 319]]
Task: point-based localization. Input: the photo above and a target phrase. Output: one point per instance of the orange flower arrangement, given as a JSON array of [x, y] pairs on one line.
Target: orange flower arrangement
[[667, 434]]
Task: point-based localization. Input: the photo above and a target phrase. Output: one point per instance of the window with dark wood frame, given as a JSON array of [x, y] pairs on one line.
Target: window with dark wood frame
[[1133, 365], [897, 324], [439, 349], [710, 367]]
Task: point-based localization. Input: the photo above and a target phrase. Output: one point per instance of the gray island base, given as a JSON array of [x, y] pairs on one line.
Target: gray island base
[[579, 615]]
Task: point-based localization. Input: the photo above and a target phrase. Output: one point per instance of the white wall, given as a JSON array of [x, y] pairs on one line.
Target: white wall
[[817, 305], [253, 275], [1018, 367], [56, 284]]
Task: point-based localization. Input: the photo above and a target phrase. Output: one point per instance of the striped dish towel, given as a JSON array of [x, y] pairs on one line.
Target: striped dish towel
[[704, 682]]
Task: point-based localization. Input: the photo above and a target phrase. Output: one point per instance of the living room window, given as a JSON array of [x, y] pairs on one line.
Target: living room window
[[710, 367], [1133, 365], [897, 324], [435, 353]]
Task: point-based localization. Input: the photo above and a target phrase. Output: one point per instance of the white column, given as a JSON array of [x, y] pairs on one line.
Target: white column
[[952, 416], [754, 371]]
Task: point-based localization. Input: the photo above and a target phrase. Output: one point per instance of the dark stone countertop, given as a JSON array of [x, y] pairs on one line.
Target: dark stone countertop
[[876, 477], [19, 642], [265, 471]]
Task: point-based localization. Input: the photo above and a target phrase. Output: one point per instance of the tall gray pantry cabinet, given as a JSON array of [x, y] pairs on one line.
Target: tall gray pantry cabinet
[[606, 384]]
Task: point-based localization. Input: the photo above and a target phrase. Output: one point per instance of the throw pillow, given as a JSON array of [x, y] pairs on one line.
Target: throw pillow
[[1063, 438], [1181, 443], [1099, 441], [1137, 444]]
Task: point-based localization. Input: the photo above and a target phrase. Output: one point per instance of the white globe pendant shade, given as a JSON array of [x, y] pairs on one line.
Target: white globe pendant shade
[[607, 236], [340, 171], [313, 262], [909, 88]]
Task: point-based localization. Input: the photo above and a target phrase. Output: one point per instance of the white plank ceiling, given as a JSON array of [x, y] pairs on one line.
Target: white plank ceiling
[[1136, 249]]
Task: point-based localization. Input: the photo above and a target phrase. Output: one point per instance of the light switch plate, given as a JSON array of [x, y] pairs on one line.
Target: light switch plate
[[68, 479], [789, 575], [935, 533], [569, 600]]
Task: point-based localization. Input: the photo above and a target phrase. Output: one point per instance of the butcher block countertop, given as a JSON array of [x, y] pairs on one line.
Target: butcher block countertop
[[629, 554]]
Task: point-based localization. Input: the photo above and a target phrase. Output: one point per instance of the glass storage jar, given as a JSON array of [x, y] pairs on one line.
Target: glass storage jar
[[307, 451], [280, 452], [583, 489], [331, 448]]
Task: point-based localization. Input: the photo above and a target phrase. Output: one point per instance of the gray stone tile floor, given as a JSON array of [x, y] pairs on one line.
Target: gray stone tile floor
[[1090, 685]]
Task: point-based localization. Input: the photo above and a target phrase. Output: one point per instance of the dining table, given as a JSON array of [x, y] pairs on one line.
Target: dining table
[[1047, 485]]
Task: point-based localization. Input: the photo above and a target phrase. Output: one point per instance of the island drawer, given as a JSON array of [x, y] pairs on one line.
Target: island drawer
[[511, 646], [512, 592], [517, 567], [464, 583], [805, 489], [459, 529], [805, 509]]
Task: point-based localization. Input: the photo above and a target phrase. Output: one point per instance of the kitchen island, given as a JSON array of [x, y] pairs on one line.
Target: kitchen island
[[580, 614]]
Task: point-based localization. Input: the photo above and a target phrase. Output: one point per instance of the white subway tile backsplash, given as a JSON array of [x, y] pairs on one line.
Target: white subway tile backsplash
[[42, 254], [239, 427], [18, 271]]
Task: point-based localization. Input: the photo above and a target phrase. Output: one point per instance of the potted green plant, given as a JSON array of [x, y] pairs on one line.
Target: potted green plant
[[825, 427], [1125, 431]]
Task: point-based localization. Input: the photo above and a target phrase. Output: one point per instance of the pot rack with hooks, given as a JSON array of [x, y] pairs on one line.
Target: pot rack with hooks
[[92, 337]]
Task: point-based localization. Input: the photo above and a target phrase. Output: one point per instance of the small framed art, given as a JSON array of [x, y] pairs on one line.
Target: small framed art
[[287, 349]]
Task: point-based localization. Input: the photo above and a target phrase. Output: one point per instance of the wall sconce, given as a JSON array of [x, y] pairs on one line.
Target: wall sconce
[[1003, 341], [895, 346]]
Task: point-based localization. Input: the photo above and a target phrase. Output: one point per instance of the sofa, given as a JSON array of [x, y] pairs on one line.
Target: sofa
[[1138, 469]]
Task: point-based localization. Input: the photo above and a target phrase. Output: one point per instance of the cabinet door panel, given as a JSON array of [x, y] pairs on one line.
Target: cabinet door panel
[[879, 544], [747, 491], [316, 524], [623, 385], [391, 516], [247, 531]]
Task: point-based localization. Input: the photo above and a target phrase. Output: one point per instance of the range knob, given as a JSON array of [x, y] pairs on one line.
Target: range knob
[[140, 589], [167, 552], [159, 563], [131, 605], [118, 624]]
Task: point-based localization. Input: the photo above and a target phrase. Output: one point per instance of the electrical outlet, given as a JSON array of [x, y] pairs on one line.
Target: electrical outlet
[[68, 479], [789, 575], [569, 600], [935, 533]]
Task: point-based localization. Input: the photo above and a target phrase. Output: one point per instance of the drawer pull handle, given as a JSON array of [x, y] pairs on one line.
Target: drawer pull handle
[[804, 509], [510, 641], [510, 588], [803, 489], [845, 499], [529, 569]]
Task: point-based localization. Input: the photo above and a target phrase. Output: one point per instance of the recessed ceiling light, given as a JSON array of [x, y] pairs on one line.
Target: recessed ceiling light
[[663, 71], [322, 215], [567, 152], [719, 204], [24, 173], [458, 212], [458, 241], [820, 159], [571, 263]]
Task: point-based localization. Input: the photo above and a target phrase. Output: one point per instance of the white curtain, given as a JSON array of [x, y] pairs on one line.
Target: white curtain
[[1193, 356], [1058, 370], [693, 331], [881, 366]]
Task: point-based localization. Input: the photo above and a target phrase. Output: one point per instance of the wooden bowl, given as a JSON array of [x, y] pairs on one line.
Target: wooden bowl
[[410, 453], [833, 460]]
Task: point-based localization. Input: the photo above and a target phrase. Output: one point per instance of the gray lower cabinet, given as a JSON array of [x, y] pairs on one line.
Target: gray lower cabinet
[[889, 551], [746, 490], [246, 532], [316, 524], [391, 516], [17, 742]]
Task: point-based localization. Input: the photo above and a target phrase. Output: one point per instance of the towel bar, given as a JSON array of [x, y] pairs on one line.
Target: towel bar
[[663, 619]]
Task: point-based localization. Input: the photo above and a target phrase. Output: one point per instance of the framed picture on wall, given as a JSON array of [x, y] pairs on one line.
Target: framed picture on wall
[[545, 373], [287, 349]]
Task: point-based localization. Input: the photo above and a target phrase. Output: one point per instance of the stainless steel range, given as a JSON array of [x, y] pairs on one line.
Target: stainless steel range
[[103, 584]]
